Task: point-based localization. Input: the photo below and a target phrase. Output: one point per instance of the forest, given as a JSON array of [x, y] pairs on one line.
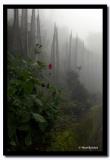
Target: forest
[[54, 84]]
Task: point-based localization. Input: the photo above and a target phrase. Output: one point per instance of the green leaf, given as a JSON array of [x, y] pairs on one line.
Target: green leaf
[[25, 62], [36, 100], [38, 118], [28, 87], [39, 102], [35, 64]]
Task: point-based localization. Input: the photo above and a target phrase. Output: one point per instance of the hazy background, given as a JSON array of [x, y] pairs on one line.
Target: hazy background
[[68, 42], [86, 24], [80, 21]]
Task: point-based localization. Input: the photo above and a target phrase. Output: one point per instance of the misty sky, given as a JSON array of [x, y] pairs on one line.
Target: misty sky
[[85, 23], [80, 21]]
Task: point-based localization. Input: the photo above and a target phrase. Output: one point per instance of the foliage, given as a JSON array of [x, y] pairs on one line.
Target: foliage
[[32, 103], [78, 92], [64, 141], [80, 120], [69, 135], [90, 128], [80, 100]]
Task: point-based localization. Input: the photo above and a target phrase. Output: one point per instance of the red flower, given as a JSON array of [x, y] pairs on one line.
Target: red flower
[[50, 66]]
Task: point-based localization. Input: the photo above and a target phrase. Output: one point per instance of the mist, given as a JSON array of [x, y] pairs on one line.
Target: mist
[[86, 24], [65, 47]]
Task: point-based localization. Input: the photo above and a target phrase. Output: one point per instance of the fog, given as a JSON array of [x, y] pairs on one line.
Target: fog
[[55, 80], [79, 21], [84, 24]]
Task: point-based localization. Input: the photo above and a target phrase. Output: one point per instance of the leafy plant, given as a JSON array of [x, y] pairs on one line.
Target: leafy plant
[[32, 108]]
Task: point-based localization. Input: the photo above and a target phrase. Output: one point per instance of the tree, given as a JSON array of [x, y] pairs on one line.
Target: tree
[[16, 33], [32, 34], [82, 62], [76, 54], [24, 32], [55, 55], [70, 52], [38, 30], [38, 38]]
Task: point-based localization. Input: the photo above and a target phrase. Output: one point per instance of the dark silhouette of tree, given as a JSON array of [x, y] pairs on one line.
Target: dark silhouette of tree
[[24, 32], [32, 35], [55, 55], [70, 52], [16, 34], [38, 39], [76, 54], [38, 30]]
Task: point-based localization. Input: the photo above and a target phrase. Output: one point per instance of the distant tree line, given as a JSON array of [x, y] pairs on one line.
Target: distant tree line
[[25, 39]]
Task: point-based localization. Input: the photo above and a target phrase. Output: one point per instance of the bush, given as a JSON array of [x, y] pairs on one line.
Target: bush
[[32, 103]]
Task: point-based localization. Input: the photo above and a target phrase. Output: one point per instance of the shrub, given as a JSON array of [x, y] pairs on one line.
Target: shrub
[[32, 103]]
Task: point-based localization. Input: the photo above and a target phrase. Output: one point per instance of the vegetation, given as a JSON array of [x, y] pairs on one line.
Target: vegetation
[[79, 122], [32, 103], [39, 119], [51, 107]]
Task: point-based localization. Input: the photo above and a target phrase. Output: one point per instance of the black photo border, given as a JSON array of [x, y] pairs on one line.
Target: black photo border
[[105, 81]]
